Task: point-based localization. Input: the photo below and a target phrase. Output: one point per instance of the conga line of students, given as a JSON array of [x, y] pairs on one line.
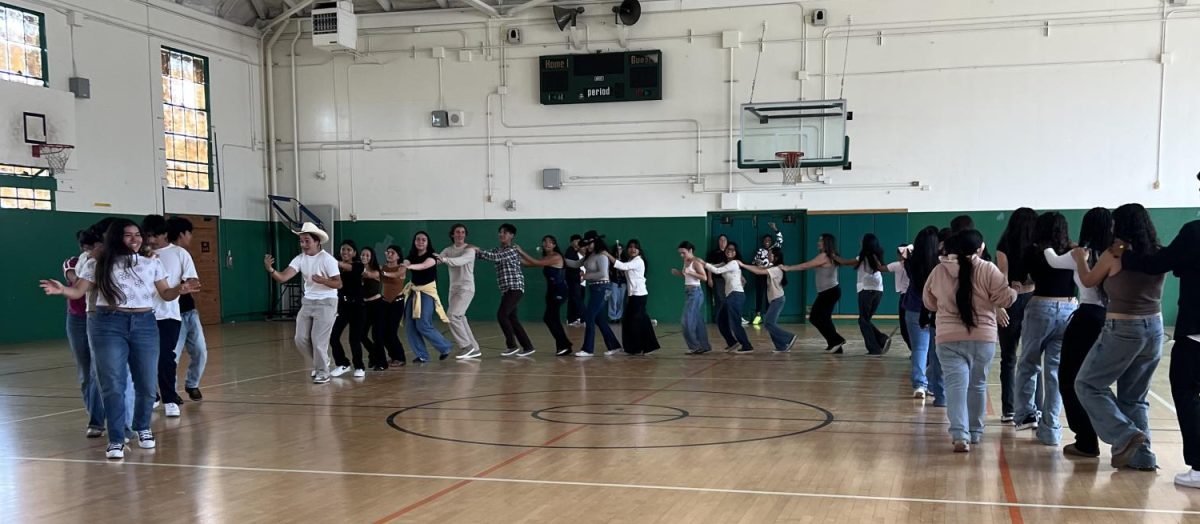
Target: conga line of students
[[957, 309]]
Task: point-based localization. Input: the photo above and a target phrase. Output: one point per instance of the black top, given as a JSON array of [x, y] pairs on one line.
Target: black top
[[554, 275], [371, 287], [573, 274], [1048, 282], [420, 277], [351, 289], [716, 256], [186, 303], [1016, 265], [1182, 257]]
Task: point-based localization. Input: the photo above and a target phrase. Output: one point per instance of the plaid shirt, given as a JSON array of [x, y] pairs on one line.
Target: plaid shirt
[[508, 267]]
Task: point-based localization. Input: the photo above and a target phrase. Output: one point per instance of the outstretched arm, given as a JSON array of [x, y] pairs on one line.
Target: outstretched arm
[[1092, 277], [752, 268], [278, 276]]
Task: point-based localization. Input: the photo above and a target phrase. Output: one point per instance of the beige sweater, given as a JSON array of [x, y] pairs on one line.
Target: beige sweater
[[990, 290]]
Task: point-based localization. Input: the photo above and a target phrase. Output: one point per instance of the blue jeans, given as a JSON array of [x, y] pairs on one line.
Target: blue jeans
[[779, 337], [191, 335], [1041, 344], [732, 321], [88, 386], [416, 328], [124, 346], [926, 368], [1126, 354], [965, 368], [695, 334], [616, 302], [593, 317]]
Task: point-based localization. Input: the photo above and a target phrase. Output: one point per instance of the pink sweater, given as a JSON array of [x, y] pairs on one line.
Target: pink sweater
[[989, 288]]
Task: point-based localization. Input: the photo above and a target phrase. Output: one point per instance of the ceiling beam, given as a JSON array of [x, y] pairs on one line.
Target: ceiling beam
[[259, 8], [385, 4], [483, 7]]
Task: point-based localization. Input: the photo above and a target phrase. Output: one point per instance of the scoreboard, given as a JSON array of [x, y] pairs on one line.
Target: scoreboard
[[626, 76]]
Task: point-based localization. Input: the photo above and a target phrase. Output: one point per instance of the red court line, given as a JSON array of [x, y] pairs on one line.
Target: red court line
[[457, 485], [1010, 492]]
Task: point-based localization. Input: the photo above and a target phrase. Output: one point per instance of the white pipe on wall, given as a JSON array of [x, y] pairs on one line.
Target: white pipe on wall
[[295, 117]]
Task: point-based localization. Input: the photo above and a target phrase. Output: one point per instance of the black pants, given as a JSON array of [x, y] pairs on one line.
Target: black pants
[[821, 315], [375, 324], [716, 296], [574, 301], [391, 332], [1082, 331], [868, 303], [348, 314], [1185, 382], [637, 331], [903, 324], [760, 295], [555, 296], [514, 332], [1010, 337], [168, 336]]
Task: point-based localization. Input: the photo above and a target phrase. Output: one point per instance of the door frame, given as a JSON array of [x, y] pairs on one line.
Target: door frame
[[801, 216]]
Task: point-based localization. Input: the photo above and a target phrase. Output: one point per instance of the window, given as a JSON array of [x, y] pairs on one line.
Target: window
[[25, 187], [22, 46], [185, 120]]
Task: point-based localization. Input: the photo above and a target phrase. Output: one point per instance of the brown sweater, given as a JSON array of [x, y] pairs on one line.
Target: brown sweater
[[392, 285]]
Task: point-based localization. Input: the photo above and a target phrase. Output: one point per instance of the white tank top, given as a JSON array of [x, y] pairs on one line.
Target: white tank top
[[688, 278]]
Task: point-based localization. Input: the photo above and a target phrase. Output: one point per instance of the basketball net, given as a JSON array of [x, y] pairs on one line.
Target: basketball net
[[789, 162], [56, 156]]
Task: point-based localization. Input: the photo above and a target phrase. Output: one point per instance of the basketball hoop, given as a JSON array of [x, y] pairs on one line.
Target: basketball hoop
[[56, 156], [789, 162]]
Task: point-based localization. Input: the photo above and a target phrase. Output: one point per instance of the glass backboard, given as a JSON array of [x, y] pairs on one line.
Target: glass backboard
[[816, 128]]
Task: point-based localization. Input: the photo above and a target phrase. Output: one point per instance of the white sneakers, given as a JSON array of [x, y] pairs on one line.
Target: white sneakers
[[470, 353], [115, 451], [962, 446], [612, 352], [1188, 479], [171, 409], [510, 352], [582, 354], [146, 439], [919, 393], [339, 371], [360, 373]]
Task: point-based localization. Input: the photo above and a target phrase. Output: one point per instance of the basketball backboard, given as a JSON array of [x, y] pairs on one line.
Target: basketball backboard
[[816, 128]]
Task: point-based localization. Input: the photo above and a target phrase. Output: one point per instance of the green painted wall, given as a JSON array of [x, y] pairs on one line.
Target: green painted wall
[[39, 241]]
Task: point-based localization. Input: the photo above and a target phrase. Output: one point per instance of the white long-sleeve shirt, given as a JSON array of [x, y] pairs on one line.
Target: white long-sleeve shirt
[[1087, 295], [461, 264], [734, 281], [635, 276]]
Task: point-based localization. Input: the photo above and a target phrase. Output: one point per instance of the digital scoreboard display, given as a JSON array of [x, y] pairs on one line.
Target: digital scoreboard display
[[627, 76]]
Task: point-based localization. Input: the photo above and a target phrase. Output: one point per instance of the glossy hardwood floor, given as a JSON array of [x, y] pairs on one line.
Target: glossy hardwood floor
[[760, 437]]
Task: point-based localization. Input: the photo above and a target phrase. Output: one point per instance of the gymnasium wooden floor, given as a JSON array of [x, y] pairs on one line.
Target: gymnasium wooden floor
[[800, 437]]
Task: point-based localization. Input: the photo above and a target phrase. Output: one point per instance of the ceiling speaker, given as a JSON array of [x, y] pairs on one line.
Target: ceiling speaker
[[566, 17], [628, 12]]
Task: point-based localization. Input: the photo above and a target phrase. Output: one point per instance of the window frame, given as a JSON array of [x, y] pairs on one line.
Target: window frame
[[208, 121], [41, 43], [43, 180]]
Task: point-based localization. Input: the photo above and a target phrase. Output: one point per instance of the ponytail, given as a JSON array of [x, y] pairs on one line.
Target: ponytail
[[964, 245]]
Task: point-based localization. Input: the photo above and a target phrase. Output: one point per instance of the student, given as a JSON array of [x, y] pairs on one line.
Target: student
[[322, 278], [695, 334], [824, 267], [869, 266], [776, 280], [897, 269], [422, 301], [762, 259], [1182, 257], [556, 291], [926, 369], [1016, 239], [460, 258], [1095, 236], [595, 274], [1045, 322], [619, 285], [191, 332], [963, 292], [1130, 344], [512, 288], [574, 284], [123, 333], [179, 266], [716, 283], [391, 276], [350, 312], [729, 317], [637, 331], [77, 337], [375, 315]]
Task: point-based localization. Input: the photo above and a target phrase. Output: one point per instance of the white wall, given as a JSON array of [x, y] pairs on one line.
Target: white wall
[[971, 98], [118, 165]]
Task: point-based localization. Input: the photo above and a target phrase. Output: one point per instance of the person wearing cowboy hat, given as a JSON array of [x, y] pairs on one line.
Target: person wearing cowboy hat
[[318, 308]]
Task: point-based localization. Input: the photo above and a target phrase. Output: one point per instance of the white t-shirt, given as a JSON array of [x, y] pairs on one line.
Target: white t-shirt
[[897, 269], [134, 275], [774, 283], [868, 280], [635, 275], [178, 264], [733, 282], [322, 264], [91, 294]]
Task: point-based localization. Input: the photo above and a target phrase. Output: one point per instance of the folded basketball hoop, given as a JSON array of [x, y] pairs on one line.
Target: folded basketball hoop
[[56, 155], [789, 162]]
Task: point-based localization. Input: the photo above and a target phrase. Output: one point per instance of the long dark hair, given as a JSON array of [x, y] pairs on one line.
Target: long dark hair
[[633, 242], [373, 265], [1131, 223], [777, 260], [555, 250], [1050, 231], [113, 256], [829, 246], [737, 253], [1018, 234], [412, 250], [923, 259], [963, 245], [871, 254]]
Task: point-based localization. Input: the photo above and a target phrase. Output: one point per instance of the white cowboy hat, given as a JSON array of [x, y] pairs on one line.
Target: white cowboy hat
[[310, 227]]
